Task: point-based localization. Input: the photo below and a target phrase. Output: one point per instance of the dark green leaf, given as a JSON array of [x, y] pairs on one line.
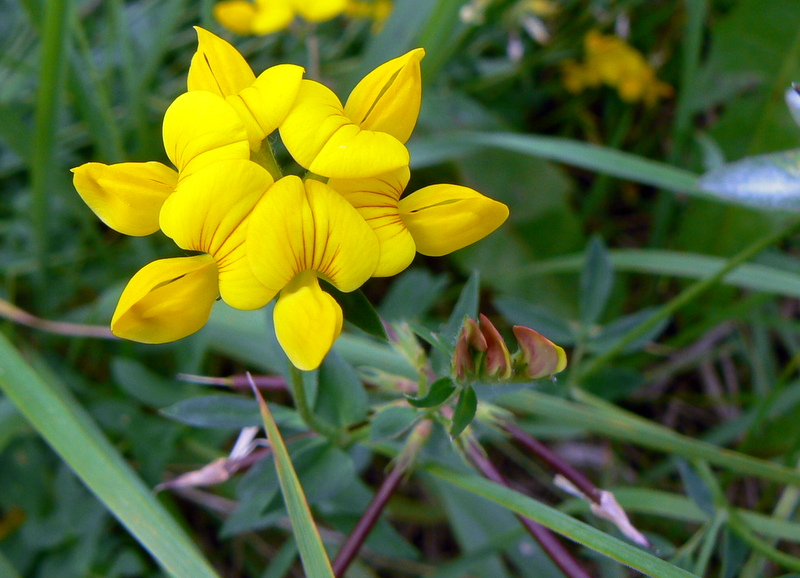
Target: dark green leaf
[[412, 294], [146, 386], [610, 333], [440, 392], [696, 488], [359, 311], [597, 278], [465, 410], [391, 422]]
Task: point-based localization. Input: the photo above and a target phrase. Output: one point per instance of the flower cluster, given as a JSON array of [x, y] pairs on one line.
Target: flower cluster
[[255, 234], [482, 353], [611, 61], [262, 17]]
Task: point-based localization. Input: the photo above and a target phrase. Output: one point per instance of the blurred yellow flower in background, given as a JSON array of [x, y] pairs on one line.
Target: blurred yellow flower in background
[[611, 61]]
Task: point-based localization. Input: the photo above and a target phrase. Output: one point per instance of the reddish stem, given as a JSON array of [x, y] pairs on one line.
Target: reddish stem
[[546, 539], [554, 461], [359, 534]]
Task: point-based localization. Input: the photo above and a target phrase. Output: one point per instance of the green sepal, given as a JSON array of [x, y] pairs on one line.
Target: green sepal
[[440, 392]]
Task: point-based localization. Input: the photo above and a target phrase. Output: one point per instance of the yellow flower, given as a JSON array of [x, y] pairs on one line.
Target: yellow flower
[[262, 103], [611, 61], [199, 128], [366, 136], [268, 16], [434, 221], [377, 10], [208, 212], [300, 232]]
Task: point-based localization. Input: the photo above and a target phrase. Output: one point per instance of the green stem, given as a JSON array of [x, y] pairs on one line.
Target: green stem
[[312, 420], [47, 101], [687, 296], [265, 157]]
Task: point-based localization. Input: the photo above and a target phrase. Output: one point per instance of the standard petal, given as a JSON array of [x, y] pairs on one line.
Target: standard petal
[[307, 321], [300, 226], [376, 200], [319, 10], [388, 98], [321, 138], [263, 106], [272, 15], [217, 66], [445, 218], [167, 300], [201, 128], [126, 196]]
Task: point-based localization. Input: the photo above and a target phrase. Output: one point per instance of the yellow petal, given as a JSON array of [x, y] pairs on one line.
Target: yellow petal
[[322, 139], [167, 300], [319, 10], [126, 196], [209, 212], [218, 67], [264, 105], [307, 321], [388, 98], [236, 15], [201, 128], [272, 15], [445, 218], [376, 199], [300, 226]]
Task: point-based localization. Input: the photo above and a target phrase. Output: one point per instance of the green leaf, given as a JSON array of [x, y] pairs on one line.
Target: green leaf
[[696, 488], [391, 422], [412, 294], [359, 311], [561, 523], [72, 433], [466, 406], [312, 551], [520, 312], [614, 331], [764, 182], [597, 278], [440, 392], [227, 412]]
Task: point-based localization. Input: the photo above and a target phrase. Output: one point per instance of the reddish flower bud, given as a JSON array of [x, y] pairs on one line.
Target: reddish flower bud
[[538, 356], [498, 359]]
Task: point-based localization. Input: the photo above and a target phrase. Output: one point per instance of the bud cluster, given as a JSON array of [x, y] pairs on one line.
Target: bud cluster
[[482, 353]]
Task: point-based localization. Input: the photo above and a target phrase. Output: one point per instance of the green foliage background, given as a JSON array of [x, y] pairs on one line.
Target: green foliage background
[[682, 392]]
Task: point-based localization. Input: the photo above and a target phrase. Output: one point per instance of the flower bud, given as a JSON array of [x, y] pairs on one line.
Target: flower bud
[[498, 360], [538, 357]]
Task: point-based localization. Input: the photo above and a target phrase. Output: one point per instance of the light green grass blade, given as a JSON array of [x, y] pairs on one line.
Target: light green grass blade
[[588, 156], [622, 425], [72, 433], [312, 552], [561, 523], [690, 265]]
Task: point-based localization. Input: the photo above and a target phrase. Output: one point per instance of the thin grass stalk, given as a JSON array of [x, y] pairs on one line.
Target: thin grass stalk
[[687, 296]]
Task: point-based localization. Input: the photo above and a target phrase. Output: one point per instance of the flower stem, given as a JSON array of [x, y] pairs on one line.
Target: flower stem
[[553, 461], [402, 464], [549, 543], [312, 420], [265, 157]]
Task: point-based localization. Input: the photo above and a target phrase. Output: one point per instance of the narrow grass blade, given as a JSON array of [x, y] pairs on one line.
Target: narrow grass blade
[[561, 523], [312, 552], [689, 265], [72, 433], [622, 425], [588, 156]]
